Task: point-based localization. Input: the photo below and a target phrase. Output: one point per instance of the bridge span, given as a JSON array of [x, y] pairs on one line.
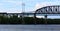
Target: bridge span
[[45, 11]]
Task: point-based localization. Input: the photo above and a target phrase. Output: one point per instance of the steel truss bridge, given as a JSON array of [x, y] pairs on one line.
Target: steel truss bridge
[[54, 9], [46, 11]]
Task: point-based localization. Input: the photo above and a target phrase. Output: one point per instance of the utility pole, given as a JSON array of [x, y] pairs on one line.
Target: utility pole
[[23, 10]]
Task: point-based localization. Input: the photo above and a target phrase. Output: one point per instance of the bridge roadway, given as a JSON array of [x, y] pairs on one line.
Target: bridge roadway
[[38, 14], [28, 13]]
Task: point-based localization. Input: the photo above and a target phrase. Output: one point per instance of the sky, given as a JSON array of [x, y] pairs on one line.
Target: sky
[[15, 6], [30, 5]]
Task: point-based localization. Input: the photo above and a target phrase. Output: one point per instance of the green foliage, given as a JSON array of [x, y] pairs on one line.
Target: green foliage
[[28, 20]]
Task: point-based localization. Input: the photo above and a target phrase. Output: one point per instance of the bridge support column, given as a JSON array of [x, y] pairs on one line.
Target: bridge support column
[[45, 19], [22, 18]]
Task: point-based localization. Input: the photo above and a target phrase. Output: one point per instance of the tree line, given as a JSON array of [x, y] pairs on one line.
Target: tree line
[[27, 20]]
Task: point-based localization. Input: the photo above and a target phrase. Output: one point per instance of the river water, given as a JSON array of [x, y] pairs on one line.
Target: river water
[[29, 27]]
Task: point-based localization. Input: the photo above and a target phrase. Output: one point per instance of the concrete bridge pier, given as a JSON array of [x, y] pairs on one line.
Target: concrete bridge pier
[[45, 16], [45, 19]]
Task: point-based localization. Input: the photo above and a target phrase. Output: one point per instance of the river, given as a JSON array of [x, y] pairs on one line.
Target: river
[[29, 27]]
